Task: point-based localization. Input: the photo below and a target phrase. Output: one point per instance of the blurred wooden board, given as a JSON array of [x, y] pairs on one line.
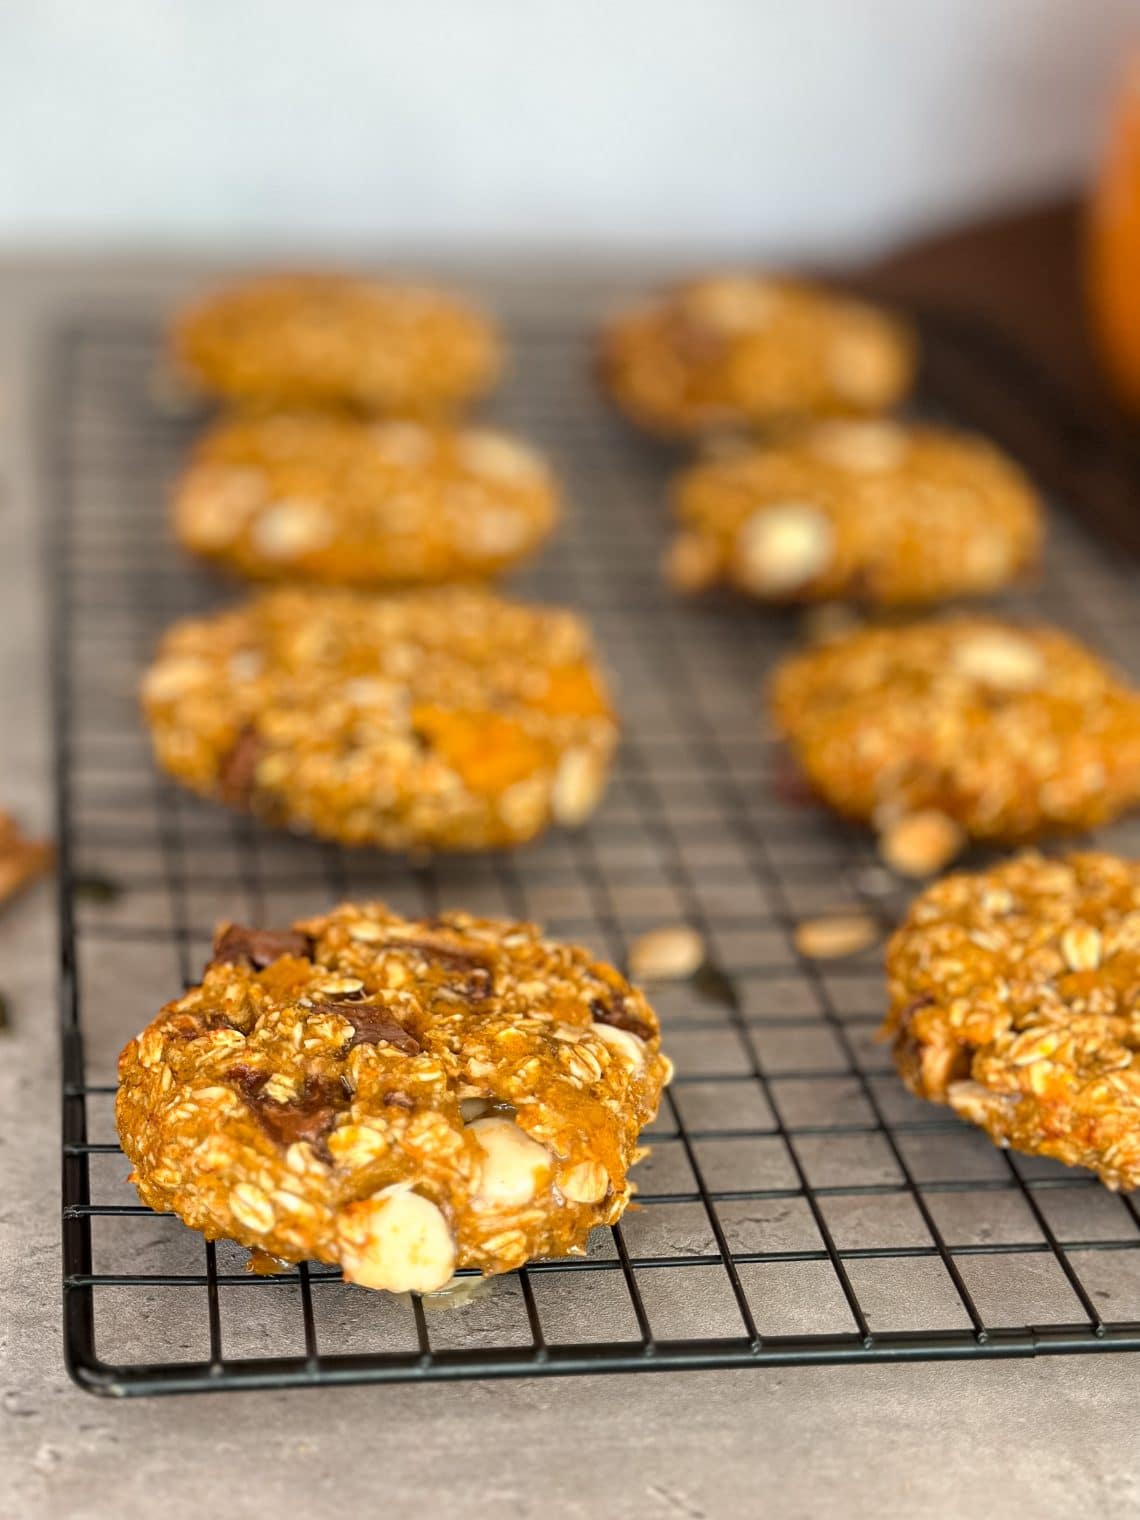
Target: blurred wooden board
[[1002, 312]]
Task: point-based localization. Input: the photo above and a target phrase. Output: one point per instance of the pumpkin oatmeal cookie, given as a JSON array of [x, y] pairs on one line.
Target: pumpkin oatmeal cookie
[[333, 340], [440, 719], [873, 512], [335, 498], [1006, 731], [1014, 1000], [393, 1097], [737, 351], [22, 859]]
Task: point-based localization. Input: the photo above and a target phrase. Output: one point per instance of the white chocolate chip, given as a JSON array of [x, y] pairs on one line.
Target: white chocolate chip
[[514, 1165], [587, 1182], [668, 954], [862, 447], [1081, 947], [577, 789], [473, 1108], [398, 1241], [828, 938], [779, 549], [498, 457], [921, 843], [626, 1046], [288, 529], [999, 658]]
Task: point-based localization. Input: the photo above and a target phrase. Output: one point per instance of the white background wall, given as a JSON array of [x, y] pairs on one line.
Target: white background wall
[[783, 125]]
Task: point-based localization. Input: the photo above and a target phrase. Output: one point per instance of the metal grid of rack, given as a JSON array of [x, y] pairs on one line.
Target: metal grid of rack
[[798, 1206]]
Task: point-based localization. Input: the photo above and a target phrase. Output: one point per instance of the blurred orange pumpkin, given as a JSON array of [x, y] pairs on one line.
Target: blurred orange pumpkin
[[1114, 244]]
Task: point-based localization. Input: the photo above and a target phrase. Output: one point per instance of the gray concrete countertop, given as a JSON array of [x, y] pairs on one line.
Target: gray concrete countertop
[[938, 1440]]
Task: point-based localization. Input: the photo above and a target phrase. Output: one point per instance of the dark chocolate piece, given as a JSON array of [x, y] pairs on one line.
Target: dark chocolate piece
[[618, 1015], [259, 948], [372, 1025], [237, 772], [310, 1116], [478, 982]]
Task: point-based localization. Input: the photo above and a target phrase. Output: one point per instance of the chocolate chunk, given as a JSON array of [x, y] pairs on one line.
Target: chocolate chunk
[[618, 1015], [309, 1116], [372, 1025], [247, 1079], [192, 1026], [258, 948], [452, 956], [237, 772], [477, 982], [397, 1099]]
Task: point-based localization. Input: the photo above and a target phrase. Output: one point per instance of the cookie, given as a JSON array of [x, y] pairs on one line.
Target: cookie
[[1007, 731], [22, 860], [439, 719], [1013, 1000], [738, 351], [874, 512], [331, 340], [336, 498], [397, 1098]]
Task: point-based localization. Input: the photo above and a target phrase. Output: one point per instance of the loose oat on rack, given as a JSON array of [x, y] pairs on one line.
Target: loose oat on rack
[[1000, 731], [396, 1097], [437, 719], [335, 498], [1015, 998]]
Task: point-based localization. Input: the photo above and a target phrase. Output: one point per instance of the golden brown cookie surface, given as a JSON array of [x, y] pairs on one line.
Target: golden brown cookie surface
[[1008, 731], [1014, 1000], [739, 351], [439, 719], [399, 1098], [330, 340], [335, 498], [876, 512]]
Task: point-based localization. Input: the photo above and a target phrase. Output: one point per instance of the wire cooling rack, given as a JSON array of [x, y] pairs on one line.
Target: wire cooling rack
[[798, 1206]]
